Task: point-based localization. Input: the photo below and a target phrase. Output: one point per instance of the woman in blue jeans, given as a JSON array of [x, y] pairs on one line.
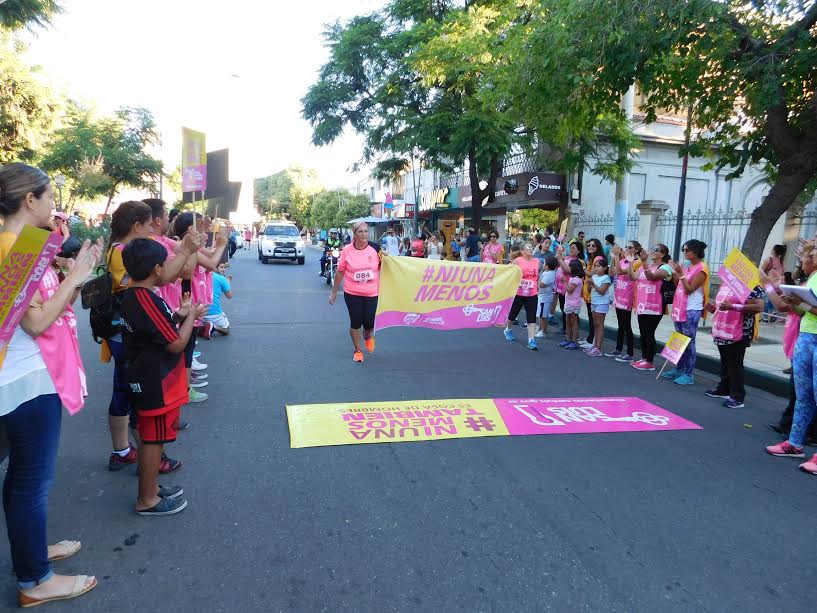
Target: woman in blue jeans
[[39, 370]]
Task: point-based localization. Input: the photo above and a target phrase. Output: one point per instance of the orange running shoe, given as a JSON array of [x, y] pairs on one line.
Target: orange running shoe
[[358, 357], [369, 342]]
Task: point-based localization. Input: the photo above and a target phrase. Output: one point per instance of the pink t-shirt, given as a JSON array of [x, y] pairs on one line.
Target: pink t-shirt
[[170, 292], [361, 270], [530, 274], [491, 251], [573, 299]]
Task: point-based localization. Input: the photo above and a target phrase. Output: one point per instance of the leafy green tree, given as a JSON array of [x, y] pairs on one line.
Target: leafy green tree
[[27, 107], [376, 83], [746, 69], [17, 14], [334, 208], [287, 193], [101, 155]]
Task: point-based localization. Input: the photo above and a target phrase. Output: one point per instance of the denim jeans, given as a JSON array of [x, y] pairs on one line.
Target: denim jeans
[[33, 433], [804, 366], [689, 328], [473, 258]]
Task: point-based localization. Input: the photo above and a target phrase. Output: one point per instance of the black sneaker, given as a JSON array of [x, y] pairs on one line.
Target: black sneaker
[[731, 403], [183, 425], [716, 394], [166, 506]]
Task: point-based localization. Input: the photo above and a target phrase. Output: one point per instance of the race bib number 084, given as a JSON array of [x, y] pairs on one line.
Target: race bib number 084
[[363, 276]]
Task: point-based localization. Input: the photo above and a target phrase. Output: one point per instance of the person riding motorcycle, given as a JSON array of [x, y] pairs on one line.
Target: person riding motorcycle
[[333, 242]]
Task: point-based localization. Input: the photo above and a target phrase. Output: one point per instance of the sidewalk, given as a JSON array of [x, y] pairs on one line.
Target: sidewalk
[[764, 360]]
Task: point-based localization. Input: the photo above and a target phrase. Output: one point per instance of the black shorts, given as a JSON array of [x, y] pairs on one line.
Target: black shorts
[[529, 302], [189, 348], [361, 310]]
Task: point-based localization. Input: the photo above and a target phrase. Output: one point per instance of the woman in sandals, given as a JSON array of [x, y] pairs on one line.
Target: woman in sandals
[[40, 371]]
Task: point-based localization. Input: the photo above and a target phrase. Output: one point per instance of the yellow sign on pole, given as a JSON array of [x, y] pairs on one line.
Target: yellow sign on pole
[[739, 274], [563, 229]]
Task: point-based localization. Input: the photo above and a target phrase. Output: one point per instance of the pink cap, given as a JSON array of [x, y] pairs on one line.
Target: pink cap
[[59, 215]]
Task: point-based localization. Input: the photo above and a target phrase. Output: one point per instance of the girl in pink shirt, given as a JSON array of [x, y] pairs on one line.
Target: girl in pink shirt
[[573, 305]]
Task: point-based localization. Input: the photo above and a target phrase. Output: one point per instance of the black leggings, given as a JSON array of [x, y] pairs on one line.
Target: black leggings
[[625, 330], [592, 334], [732, 373], [361, 311], [529, 302], [647, 325]]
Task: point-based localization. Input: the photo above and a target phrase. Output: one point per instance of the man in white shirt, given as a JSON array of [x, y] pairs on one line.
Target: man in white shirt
[[390, 243]]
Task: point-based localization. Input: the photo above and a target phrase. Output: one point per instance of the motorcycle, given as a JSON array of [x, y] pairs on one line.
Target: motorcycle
[[332, 265]]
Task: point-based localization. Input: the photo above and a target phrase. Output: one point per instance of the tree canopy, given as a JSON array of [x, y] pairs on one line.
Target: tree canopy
[[17, 14], [334, 208], [287, 193]]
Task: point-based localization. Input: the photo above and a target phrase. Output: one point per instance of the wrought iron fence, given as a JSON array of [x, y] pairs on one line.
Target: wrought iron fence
[[721, 230], [805, 222], [599, 226]]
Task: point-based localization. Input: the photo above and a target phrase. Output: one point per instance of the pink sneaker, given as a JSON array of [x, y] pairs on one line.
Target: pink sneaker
[[593, 352], [786, 449], [643, 365], [810, 466]]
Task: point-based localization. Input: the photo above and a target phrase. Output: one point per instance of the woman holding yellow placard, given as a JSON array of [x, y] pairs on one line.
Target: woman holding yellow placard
[[40, 371], [691, 294]]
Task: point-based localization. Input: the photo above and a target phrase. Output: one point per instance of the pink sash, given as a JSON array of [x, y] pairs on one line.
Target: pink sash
[[681, 299], [648, 295], [790, 333], [60, 350], [727, 325], [624, 289]]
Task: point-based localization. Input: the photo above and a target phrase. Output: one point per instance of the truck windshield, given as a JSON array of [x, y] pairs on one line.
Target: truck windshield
[[281, 231]]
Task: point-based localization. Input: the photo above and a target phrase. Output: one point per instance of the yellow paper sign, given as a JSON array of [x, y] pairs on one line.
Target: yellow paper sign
[[739, 273], [315, 425], [444, 295], [676, 345]]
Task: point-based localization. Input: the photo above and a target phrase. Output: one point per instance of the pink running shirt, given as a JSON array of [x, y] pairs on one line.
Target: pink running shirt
[[361, 270]]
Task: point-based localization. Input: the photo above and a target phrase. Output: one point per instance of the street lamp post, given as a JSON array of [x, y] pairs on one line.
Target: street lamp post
[[60, 181]]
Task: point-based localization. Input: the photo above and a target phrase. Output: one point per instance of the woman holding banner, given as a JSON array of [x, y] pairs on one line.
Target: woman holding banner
[[526, 296], [40, 371], [359, 271], [691, 294]]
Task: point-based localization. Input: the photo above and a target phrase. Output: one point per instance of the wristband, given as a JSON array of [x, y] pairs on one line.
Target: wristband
[[738, 307]]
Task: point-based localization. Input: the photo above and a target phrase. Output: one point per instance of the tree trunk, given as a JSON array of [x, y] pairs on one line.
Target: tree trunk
[[782, 195], [110, 199]]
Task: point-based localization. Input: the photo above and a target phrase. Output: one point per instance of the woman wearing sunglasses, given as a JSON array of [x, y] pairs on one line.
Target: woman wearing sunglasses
[[624, 298], [493, 251], [649, 304]]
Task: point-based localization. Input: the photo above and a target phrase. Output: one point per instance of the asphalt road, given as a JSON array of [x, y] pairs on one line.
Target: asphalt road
[[665, 521]]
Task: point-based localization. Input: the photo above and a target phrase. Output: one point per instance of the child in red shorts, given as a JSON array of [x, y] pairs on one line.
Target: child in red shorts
[[154, 347]]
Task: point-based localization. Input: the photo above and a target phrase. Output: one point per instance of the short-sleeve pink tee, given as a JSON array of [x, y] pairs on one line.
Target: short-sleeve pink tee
[[530, 274], [361, 270]]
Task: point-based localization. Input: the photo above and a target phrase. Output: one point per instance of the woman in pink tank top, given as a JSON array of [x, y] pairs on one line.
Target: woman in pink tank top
[[563, 276], [624, 298], [649, 306]]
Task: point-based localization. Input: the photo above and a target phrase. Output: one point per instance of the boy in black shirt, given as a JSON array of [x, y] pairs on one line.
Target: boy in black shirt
[[155, 366]]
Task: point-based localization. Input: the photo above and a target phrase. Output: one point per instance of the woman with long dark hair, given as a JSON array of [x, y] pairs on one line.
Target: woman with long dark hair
[[594, 250], [649, 305], [624, 299], [40, 371]]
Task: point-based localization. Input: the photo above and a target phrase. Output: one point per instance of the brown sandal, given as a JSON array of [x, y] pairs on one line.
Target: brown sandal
[[26, 601]]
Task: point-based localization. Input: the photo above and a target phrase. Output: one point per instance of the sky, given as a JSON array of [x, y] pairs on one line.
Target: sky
[[235, 70]]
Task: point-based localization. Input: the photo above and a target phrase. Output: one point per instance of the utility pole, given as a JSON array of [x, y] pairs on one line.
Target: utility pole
[[682, 191]]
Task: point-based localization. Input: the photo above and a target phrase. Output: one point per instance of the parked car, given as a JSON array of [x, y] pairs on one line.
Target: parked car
[[281, 240]]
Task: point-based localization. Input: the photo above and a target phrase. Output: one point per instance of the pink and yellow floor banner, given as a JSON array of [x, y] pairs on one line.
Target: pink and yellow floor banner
[[444, 295], [319, 425]]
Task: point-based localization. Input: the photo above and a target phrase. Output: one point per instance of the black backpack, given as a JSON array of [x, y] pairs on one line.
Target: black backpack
[[97, 295]]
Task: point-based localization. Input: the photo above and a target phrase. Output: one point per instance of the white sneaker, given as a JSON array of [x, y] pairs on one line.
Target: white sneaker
[[195, 383], [585, 344], [540, 334], [200, 376], [198, 365]]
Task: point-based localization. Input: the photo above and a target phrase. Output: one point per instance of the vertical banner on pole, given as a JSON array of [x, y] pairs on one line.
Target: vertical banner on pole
[[194, 161]]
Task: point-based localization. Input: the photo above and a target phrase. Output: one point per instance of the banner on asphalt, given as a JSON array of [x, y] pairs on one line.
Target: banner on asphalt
[[20, 275], [444, 295], [319, 425], [739, 274]]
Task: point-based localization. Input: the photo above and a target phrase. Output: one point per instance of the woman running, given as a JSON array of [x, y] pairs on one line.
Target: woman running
[[526, 296], [359, 268]]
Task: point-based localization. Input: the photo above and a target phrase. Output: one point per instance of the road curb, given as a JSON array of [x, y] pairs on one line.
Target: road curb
[[774, 384]]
